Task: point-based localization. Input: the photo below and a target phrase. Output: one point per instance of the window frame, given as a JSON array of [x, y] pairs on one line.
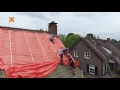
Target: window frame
[[75, 53], [103, 69], [92, 68], [87, 56], [106, 68]]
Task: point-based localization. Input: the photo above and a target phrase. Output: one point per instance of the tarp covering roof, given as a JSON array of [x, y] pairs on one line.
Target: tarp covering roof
[[25, 54]]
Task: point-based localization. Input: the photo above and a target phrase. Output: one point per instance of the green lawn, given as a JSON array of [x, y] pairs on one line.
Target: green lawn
[[88, 76], [118, 76]]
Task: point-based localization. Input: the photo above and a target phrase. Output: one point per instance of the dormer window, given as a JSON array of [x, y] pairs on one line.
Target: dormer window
[[107, 50]]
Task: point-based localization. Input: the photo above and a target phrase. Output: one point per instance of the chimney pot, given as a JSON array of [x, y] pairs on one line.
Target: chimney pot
[[52, 28], [90, 36], [108, 39]]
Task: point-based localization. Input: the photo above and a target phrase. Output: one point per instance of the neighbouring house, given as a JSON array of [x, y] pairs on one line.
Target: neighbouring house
[[26, 53], [118, 45], [97, 58]]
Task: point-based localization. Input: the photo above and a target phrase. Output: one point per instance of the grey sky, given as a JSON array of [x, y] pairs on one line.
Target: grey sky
[[104, 24]]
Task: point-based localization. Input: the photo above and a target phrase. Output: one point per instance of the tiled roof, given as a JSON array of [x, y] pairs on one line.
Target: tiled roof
[[65, 72], [118, 44], [96, 47], [115, 52]]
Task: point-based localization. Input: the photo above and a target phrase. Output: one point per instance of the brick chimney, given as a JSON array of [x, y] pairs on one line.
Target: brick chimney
[[108, 39], [90, 36], [52, 28]]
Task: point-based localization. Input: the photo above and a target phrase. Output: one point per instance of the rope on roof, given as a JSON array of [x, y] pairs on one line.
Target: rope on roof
[[10, 50], [29, 47], [42, 47]]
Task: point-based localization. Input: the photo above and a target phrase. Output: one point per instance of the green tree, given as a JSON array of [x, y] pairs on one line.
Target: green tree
[[94, 37], [70, 34], [114, 40], [62, 37], [118, 41], [71, 40]]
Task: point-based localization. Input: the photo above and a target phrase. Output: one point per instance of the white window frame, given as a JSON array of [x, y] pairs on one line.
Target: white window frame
[[106, 67], [103, 68], [75, 53], [92, 69], [87, 55]]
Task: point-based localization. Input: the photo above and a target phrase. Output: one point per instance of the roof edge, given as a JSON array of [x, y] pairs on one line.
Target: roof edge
[[22, 29]]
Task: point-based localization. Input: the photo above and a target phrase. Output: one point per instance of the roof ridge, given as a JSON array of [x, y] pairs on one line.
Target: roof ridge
[[22, 29], [103, 43]]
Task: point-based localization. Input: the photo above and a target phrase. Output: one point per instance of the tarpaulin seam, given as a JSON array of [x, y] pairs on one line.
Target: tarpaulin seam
[[10, 50], [29, 47], [58, 43], [42, 46]]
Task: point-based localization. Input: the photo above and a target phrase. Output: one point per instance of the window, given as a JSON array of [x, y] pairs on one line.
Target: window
[[75, 53], [87, 55], [103, 69], [92, 69]]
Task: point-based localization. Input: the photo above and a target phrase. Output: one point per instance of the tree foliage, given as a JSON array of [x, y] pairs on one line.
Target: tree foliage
[[114, 40], [70, 34], [69, 40], [118, 41], [63, 37]]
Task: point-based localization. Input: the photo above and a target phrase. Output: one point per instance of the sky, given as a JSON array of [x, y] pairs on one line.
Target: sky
[[102, 24]]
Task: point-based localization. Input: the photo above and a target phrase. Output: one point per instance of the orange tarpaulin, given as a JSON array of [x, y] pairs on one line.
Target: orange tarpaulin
[[25, 54]]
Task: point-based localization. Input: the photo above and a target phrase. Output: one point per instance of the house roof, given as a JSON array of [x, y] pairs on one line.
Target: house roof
[[115, 52], [28, 54], [95, 45], [103, 43], [118, 45]]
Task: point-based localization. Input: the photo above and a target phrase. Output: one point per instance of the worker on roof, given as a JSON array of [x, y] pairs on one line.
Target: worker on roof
[[71, 64], [66, 51], [51, 38], [60, 52]]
